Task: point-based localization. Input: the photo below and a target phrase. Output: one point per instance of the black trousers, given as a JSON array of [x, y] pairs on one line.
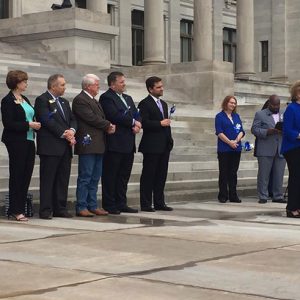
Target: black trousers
[[228, 166], [21, 162], [153, 179], [292, 158], [54, 183], [115, 176]]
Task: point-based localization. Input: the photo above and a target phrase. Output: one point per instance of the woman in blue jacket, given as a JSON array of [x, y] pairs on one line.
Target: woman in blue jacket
[[290, 149], [229, 130]]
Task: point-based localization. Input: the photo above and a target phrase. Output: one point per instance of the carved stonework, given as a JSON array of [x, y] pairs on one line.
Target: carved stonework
[[229, 3]]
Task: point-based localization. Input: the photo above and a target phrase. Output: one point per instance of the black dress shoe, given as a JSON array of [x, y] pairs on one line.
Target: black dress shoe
[[128, 209], [63, 215], [45, 217], [279, 201], [165, 208], [235, 200], [148, 209], [262, 201], [113, 211], [222, 200]]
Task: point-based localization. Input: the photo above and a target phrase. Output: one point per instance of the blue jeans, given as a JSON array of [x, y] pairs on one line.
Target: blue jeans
[[89, 173]]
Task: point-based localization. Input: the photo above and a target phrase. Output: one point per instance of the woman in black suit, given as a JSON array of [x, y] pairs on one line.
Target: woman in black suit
[[18, 137]]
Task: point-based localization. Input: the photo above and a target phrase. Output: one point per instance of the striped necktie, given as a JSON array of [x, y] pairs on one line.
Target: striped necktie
[[60, 107]]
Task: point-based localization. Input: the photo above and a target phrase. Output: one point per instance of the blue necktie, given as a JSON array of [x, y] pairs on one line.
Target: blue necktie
[[60, 107]]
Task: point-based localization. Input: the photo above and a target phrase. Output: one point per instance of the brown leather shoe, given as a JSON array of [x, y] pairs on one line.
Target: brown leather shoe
[[84, 213], [99, 212]]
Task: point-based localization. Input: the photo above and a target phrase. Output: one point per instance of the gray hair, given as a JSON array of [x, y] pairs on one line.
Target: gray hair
[[89, 79], [52, 80]]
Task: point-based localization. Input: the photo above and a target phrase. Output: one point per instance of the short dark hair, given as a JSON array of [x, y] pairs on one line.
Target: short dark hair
[[13, 78], [226, 100], [52, 79], [112, 77], [150, 82]]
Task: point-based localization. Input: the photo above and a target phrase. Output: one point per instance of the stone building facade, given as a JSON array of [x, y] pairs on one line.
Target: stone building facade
[[258, 37]]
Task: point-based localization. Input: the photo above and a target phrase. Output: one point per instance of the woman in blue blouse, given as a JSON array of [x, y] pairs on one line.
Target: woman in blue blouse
[[290, 149], [18, 137], [230, 131]]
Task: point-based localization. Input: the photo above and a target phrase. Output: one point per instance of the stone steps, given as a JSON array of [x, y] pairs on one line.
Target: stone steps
[[193, 170]]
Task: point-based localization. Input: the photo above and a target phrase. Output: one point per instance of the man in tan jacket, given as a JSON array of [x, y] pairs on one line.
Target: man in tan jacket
[[90, 146]]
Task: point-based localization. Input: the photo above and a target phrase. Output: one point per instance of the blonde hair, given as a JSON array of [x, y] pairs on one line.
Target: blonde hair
[[293, 90]]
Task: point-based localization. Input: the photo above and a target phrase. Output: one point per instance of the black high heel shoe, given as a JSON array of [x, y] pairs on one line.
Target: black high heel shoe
[[19, 218], [290, 214]]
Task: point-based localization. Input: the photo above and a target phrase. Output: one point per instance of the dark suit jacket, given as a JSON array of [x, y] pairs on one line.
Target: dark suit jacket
[[14, 119], [49, 141], [91, 120], [123, 140], [155, 139]]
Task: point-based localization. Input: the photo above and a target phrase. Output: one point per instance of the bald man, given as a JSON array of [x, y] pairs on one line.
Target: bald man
[[267, 127]]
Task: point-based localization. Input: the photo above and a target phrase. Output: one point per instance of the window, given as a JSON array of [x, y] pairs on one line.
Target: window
[[137, 23], [80, 3], [4, 11], [229, 45], [186, 40], [264, 56]]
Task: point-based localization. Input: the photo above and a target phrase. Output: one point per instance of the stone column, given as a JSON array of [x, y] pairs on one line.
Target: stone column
[[125, 37], [217, 21], [203, 40], [174, 31], [154, 32], [279, 38], [245, 39], [97, 5], [15, 8]]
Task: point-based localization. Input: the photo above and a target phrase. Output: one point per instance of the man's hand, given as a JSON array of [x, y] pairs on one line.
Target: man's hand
[[111, 129], [165, 122], [72, 141], [272, 131], [137, 124], [136, 129], [69, 134]]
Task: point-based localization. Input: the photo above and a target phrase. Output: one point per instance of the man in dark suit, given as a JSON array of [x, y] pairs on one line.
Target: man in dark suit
[[90, 146], [155, 145], [54, 146], [120, 110]]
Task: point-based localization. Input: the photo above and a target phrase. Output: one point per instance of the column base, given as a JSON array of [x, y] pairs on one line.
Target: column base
[[245, 76], [282, 78], [153, 61]]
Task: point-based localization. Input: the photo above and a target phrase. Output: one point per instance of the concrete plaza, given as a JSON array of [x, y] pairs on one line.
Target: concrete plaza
[[201, 250]]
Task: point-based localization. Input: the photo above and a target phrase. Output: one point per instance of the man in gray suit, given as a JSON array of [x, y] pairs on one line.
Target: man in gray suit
[[267, 127]]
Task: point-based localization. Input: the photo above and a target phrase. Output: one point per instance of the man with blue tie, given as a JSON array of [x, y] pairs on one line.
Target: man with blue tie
[[155, 145], [54, 146], [120, 110]]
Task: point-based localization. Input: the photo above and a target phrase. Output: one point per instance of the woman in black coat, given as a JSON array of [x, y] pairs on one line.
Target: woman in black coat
[[18, 137]]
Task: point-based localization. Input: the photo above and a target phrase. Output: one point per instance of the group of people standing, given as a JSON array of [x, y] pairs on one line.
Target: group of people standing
[[277, 134], [103, 135]]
